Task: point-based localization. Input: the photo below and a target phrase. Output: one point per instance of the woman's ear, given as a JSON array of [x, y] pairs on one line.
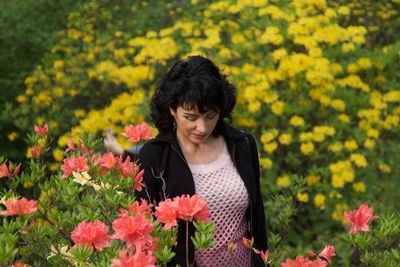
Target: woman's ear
[[172, 111]]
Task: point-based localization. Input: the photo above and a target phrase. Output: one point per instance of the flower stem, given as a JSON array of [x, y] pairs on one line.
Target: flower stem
[[187, 243]]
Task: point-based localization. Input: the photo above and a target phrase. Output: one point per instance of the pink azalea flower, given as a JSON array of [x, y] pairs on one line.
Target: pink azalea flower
[[19, 207], [135, 231], [91, 234], [41, 130], [19, 264], [135, 208], [359, 219], [264, 254], [70, 146], [107, 162], [248, 243], [8, 171], [127, 168], [193, 207], [167, 212], [327, 252], [37, 151], [138, 182], [318, 263], [139, 258], [77, 164], [299, 261], [138, 132]]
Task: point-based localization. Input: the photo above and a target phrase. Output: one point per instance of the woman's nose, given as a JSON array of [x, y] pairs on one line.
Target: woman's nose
[[201, 125]]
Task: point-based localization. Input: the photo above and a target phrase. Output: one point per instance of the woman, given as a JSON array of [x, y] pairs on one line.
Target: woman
[[197, 152]]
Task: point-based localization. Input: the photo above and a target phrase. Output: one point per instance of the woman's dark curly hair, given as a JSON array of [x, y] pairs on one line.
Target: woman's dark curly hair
[[196, 81]]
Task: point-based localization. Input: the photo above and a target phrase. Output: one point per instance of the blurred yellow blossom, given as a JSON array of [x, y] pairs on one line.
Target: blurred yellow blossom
[[296, 121], [269, 135], [270, 147], [283, 181], [313, 179], [285, 138], [319, 200], [344, 118], [12, 136], [369, 143], [384, 168], [340, 208], [277, 108], [359, 187], [307, 148], [342, 173], [265, 162], [350, 145], [359, 160], [302, 197]]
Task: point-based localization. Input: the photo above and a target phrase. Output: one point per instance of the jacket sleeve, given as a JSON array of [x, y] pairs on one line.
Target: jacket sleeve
[[259, 225], [151, 190]]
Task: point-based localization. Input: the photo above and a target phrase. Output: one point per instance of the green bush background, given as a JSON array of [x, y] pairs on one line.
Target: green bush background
[[333, 65]]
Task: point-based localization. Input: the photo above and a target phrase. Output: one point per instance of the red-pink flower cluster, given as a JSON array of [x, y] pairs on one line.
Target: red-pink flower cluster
[[184, 207], [74, 164], [37, 151], [91, 234], [322, 261], [139, 258], [19, 207], [138, 132], [359, 219], [41, 130], [8, 170]]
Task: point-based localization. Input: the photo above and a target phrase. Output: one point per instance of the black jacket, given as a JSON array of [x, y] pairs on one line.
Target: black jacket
[[168, 175]]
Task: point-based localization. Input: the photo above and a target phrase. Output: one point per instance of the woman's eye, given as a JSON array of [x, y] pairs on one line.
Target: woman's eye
[[211, 116], [191, 118]]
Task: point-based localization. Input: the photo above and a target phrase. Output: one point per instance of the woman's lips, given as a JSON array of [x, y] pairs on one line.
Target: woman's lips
[[199, 136]]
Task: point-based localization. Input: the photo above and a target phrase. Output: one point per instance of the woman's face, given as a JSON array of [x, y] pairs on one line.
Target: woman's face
[[192, 125]]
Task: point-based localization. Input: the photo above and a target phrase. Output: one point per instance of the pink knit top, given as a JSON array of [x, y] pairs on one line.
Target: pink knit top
[[227, 198]]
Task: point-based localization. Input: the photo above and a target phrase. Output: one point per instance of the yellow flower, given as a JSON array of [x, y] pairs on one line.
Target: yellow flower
[[296, 121], [58, 64], [342, 173], [277, 107], [270, 147], [283, 181], [58, 154], [307, 148], [347, 47], [335, 147], [359, 187], [285, 139], [254, 106], [266, 163], [353, 68], [12, 136], [319, 200], [302, 197], [364, 63], [313, 179], [384, 168], [373, 133], [269, 136], [278, 54], [344, 118], [359, 160], [351, 145], [338, 104], [369, 143], [21, 99], [337, 215], [344, 10], [392, 96]]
